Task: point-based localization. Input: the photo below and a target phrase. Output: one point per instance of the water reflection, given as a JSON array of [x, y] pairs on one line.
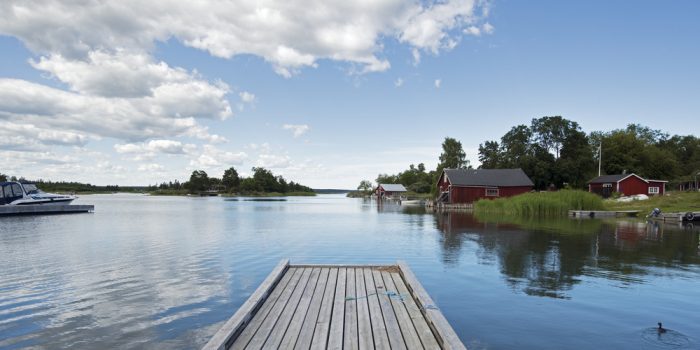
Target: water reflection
[[549, 257]]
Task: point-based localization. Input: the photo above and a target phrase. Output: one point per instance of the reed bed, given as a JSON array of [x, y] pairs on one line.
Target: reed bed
[[541, 204]]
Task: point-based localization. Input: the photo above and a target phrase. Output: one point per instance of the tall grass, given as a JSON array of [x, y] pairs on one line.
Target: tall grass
[[541, 204]]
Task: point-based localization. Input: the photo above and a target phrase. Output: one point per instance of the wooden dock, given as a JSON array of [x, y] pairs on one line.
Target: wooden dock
[[337, 307], [9, 210], [602, 213], [692, 216]]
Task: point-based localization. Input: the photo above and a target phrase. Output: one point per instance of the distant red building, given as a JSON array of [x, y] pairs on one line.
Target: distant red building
[[626, 184], [470, 185], [390, 191]]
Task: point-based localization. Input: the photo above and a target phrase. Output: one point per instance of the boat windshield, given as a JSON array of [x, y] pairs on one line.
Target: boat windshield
[[31, 189]]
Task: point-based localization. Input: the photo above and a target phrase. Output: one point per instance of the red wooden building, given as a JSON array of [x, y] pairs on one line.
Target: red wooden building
[[469, 185], [626, 184], [390, 191]]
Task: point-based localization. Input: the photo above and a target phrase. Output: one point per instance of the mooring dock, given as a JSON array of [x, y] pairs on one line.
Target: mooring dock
[[602, 213], [8, 210], [338, 307]]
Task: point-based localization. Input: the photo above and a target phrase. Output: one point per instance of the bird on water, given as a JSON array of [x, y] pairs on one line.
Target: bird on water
[[661, 329]]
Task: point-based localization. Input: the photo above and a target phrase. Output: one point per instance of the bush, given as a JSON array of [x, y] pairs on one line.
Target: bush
[[541, 204]]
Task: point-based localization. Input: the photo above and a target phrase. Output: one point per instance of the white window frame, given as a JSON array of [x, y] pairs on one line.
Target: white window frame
[[607, 185], [654, 190], [491, 194]]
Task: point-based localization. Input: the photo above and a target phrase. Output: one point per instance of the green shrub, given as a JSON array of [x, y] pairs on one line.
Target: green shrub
[[541, 204]]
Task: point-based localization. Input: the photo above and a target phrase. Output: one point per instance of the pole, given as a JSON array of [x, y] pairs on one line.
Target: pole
[[696, 181], [600, 157]]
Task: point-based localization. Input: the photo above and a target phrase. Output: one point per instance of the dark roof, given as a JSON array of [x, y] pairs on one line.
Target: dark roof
[[393, 187], [608, 178], [617, 178], [488, 177]]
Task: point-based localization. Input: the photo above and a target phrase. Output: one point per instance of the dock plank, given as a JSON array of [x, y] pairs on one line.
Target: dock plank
[[277, 331], [364, 322], [381, 339], [350, 336], [323, 325], [424, 332], [335, 337], [294, 328], [344, 307], [410, 336], [260, 317], [307, 329], [393, 330]]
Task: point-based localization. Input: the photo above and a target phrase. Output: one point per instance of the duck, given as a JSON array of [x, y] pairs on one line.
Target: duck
[[661, 329]]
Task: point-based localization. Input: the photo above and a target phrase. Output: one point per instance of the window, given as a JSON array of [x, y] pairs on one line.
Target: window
[[17, 190], [492, 192], [607, 185], [2, 192], [653, 190]]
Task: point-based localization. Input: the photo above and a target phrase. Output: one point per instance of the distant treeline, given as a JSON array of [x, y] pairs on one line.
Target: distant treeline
[[554, 151], [74, 187], [263, 181]]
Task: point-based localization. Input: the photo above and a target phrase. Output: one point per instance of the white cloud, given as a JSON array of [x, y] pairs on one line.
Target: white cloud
[[156, 146], [473, 30], [487, 28], [246, 97], [438, 82], [213, 157], [152, 167], [398, 82], [297, 130], [171, 111], [285, 33], [273, 161]]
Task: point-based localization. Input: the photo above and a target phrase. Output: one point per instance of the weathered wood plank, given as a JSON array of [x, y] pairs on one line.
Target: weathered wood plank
[[392, 324], [410, 336], [307, 329], [262, 315], [245, 313], [447, 337], [335, 337], [381, 339], [292, 333], [350, 336], [425, 334], [364, 323], [277, 331], [323, 325]]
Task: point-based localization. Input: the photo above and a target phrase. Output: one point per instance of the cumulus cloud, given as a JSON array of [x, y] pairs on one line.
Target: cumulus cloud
[[169, 112], [151, 167], [156, 146], [438, 82], [246, 97], [273, 161], [284, 33], [212, 157], [297, 130]]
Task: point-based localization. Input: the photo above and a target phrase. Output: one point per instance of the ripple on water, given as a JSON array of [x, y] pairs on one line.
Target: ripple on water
[[669, 340]]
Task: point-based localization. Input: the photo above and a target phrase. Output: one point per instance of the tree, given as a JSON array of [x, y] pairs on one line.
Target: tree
[[453, 156], [230, 180], [3, 177], [199, 181], [552, 132], [489, 155], [365, 186]]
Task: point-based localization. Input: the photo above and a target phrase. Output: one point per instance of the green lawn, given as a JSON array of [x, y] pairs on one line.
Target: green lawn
[[671, 202]]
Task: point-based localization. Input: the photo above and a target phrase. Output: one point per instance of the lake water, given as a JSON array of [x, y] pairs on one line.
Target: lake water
[[166, 272]]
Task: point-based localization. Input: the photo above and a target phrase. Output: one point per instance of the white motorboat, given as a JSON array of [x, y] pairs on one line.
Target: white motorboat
[[17, 193]]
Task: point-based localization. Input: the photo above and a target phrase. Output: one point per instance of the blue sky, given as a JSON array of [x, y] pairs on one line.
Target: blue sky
[[137, 94]]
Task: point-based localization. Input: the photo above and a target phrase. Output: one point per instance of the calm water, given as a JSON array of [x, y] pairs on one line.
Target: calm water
[[160, 272]]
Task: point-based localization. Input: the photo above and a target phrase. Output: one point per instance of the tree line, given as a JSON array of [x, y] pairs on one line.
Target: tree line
[[555, 152], [262, 181]]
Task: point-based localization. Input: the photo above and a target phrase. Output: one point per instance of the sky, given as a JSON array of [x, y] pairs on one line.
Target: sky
[[325, 93]]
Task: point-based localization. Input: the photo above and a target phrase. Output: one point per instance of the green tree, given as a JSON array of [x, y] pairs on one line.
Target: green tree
[[231, 180], [199, 181], [552, 132], [452, 156], [265, 180], [490, 155], [365, 186], [3, 177]]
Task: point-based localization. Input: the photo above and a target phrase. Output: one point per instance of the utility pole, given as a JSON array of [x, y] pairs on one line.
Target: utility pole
[[600, 158]]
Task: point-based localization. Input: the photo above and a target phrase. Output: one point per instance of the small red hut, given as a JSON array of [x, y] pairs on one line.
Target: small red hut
[[626, 184], [470, 185], [394, 191]]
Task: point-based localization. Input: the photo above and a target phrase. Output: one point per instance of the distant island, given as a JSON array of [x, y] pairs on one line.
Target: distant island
[[263, 183]]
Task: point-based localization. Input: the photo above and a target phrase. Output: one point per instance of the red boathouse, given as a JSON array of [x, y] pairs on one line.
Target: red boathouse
[[469, 185], [626, 185]]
